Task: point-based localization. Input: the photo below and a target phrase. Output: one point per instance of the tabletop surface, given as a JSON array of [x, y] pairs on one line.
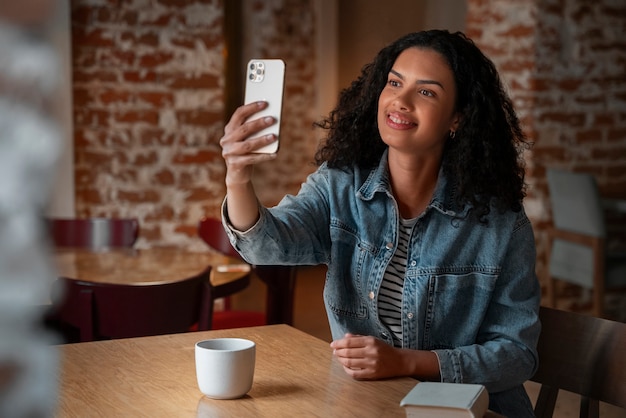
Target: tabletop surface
[[141, 267], [295, 375]]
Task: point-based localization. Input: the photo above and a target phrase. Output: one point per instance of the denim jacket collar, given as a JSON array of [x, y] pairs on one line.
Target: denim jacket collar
[[443, 196]]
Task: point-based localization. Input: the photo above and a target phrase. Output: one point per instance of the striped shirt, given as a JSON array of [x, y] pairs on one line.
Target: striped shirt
[[390, 294]]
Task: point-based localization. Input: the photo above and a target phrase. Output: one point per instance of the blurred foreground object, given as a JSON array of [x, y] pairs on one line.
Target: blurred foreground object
[[30, 145]]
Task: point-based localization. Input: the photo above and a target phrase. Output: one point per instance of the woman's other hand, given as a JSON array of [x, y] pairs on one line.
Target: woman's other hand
[[368, 358]]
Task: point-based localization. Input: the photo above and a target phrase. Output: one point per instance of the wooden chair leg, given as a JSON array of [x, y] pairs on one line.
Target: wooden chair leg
[[550, 284], [589, 408], [598, 277], [544, 407]]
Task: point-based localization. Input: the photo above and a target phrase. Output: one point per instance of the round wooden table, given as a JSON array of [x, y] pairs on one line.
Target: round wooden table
[[151, 266]]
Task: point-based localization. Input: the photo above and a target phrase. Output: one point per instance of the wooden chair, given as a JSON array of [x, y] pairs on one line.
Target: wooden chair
[[580, 354], [97, 311], [280, 282], [577, 243], [93, 232]]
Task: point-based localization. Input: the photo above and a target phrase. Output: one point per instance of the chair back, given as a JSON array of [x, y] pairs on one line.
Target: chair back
[[576, 202], [108, 311], [580, 354], [211, 231], [577, 239], [280, 280], [93, 232]]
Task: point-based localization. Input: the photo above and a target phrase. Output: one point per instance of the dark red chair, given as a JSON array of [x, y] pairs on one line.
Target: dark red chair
[[93, 232], [88, 311], [280, 282], [583, 355]]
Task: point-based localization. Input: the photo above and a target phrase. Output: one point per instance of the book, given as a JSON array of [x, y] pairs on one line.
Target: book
[[446, 400]]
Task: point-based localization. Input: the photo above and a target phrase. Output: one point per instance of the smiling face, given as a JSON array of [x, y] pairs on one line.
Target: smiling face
[[416, 108]]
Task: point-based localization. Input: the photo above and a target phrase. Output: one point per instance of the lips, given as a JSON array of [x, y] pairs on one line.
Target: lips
[[394, 120]]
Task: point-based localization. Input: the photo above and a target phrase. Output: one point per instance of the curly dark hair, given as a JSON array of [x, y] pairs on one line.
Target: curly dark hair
[[484, 160]]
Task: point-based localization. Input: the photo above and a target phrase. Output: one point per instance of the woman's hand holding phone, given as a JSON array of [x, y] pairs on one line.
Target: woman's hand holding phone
[[240, 142], [251, 137]]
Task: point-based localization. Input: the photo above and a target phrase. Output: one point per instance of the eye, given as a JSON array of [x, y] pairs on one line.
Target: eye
[[394, 83], [426, 92]]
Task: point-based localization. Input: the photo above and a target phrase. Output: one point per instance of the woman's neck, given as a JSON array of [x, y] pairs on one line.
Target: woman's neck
[[413, 183]]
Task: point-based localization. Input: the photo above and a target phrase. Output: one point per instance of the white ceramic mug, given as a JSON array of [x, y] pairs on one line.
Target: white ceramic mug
[[225, 367]]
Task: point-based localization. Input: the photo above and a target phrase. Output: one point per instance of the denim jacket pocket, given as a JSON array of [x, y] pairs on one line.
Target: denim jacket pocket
[[345, 284], [457, 305]]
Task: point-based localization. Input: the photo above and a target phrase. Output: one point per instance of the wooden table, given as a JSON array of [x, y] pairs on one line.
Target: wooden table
[[150, 266], [295, 375]]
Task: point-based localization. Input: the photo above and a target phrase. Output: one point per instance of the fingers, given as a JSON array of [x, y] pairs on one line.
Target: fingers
[[239, 142], [351, 341], [242, 113], [362, 357], [240, 139]]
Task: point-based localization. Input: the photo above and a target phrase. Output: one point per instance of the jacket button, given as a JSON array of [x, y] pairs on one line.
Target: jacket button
[[409, 315], [389, 246], [371, 295]]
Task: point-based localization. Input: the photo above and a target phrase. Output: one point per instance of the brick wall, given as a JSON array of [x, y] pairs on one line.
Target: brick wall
[[148, 112], [564, 62], [149, 104], [148, 83]]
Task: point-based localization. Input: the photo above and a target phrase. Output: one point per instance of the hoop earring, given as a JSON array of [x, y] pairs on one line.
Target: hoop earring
[[452, 134]]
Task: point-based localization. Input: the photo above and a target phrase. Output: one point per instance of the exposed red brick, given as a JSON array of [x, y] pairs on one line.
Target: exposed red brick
[[115, 57], [191, 81], [198, 194], [617, 135], [187, 42], [140, 76], [189, 230], [604, 119], [155, 136], [198, 117], [91, 197], [92, 117], [93, 76], [155, 59], [198, 157], [155, 98], [138, 116], [518, 31], [589, 136], [145, 39], [164, 177], [572, 119], [142, 196], [149, 159], [114, 96], [160, 213], [151, 233], [92, 38], [163, 19]]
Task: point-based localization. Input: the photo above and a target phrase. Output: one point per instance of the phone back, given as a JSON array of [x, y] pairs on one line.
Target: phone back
[[265, 79]]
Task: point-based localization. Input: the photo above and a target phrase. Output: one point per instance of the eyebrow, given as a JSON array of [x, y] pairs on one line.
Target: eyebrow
[[397, 74]]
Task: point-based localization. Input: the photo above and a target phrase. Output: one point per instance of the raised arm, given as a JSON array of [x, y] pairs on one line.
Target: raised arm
[[238, 145]]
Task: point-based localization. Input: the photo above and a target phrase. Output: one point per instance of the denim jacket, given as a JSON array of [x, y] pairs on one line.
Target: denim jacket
[[470, 292]]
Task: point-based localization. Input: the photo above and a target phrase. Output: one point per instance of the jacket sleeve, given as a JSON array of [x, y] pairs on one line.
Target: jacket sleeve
[[295, 232]]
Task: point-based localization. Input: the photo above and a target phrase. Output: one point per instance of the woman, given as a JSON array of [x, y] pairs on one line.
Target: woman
[[416, 208]]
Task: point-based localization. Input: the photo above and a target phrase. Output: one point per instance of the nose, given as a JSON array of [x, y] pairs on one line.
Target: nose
[[403, 102]]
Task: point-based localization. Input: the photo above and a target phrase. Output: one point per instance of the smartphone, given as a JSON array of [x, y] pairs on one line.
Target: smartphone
[[265, 80]]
